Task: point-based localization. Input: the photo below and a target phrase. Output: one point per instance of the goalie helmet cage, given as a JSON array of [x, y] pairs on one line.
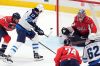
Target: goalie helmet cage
[[92, 8]]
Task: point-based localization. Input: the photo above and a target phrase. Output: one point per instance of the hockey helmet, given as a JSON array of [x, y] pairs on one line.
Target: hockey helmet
[[81, 13], [40, 7], [67, 42], [16, 15]]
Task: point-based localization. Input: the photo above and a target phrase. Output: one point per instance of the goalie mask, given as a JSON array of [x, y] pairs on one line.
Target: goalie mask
[[81, 14]]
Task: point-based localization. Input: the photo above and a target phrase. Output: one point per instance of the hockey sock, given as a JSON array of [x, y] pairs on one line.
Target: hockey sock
[[3, 48], [35, 48], [15, 48]]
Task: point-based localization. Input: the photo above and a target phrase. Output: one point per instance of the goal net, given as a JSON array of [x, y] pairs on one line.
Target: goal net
[[69, 9]]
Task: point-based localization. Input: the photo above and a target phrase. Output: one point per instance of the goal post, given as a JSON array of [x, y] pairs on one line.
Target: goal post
[[68, 10]]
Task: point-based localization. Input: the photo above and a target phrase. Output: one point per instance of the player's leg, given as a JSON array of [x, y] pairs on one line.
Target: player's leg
[[1, 35], [7, 38], [20, 40], [35, 45], [83, 38], [78, 37]]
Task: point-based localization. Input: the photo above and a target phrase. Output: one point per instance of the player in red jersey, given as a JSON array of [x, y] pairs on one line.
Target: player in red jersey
[[67, 55], [7, 23], [81, 26]]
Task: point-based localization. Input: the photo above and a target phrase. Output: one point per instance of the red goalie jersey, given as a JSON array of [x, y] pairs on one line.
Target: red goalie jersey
[[7, 23], [66, 53], [83, 27]]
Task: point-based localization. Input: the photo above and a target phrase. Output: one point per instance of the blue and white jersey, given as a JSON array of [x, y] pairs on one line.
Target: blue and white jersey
[[29, 18], [92, 52]]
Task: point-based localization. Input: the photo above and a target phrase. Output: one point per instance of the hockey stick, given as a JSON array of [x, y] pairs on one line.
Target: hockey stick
[[47, 48], [46, 35]]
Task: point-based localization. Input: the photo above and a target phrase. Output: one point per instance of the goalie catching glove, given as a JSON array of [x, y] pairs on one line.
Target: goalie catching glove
[[65, 31]]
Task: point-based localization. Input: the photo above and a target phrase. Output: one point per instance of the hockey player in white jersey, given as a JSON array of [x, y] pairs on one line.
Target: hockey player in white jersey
[[24, 29], [91, 53]]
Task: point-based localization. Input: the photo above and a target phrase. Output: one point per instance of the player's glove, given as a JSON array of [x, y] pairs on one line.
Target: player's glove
[[40, 32], [12, 25], [92, 36]]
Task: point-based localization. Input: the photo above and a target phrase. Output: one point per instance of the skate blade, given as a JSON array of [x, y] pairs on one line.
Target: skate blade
[[38, 59], [8, 62], [2, 58]]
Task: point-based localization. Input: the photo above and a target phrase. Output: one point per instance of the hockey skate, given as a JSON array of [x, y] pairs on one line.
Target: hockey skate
[[8, 59], [37, 57], [2, 55]]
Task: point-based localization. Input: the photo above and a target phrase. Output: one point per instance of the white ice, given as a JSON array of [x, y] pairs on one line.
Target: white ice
[[47, 20]]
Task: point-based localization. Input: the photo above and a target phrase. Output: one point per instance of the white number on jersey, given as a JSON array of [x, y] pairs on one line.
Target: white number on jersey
[[71, 51]]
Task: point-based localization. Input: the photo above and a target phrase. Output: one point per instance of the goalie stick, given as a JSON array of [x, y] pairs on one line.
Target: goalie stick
[[83, 41], [78, 42]]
